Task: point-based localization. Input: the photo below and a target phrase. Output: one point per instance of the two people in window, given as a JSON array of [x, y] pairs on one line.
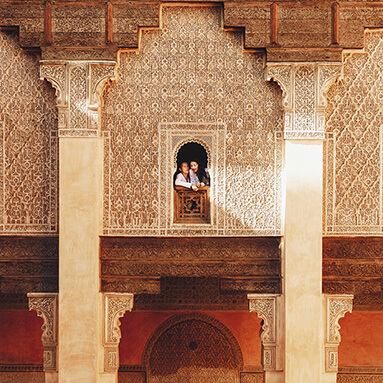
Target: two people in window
[[192, 176]]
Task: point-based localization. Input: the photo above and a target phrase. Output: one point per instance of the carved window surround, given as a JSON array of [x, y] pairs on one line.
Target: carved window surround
[[336, 307], [114, 306], [46, 306], [265, 305], [212, 137], [78, 85], [304, 87]]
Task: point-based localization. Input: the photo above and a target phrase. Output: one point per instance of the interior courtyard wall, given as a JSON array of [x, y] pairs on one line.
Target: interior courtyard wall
[[28, 138], [192, 73]]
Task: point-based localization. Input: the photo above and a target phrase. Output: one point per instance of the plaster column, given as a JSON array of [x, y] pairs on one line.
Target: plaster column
[[80, 170], [304, 86]]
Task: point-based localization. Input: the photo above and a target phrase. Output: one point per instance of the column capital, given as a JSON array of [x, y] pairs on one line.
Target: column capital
[[78, 85], [304, 87], [46, 306], [266, 308], [336, 308], [115, 306]]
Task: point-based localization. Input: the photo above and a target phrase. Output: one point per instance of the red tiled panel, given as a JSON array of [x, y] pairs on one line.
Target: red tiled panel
[[362, 339], [20, 337]]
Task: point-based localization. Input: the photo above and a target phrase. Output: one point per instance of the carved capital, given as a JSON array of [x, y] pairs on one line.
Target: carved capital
[[328, 73], [265, 307], [99, 73], [78, 86], [304, 87], [46, 306], [115, 306], [283, 75], [336, 307], [56, 74]]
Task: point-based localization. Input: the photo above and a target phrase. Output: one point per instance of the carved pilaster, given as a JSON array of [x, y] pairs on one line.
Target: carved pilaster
[[46, 306], [266, 308], [115, 306], [78, 85], [336, 307], [304, 87]]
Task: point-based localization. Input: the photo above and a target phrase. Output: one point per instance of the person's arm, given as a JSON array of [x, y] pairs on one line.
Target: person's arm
[[180, 181]]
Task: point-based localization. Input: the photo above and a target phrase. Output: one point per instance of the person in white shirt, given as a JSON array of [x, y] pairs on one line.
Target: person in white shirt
[[182, 178]]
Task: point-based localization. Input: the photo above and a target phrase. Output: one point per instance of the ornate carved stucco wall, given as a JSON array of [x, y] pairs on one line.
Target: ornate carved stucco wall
[[28, 141], [353, 202], [193, 74]]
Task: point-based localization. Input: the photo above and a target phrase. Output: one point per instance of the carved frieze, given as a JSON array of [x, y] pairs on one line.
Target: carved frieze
[[354, 266], [190, 248], [126, 261], [27, 264], [202, 293]]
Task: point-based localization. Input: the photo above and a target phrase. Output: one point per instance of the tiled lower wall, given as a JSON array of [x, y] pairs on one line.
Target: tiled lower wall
[[360, 375], [22, 377], [140, 377]]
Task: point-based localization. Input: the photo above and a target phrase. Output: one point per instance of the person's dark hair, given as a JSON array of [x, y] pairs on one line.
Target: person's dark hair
[[201, 173]]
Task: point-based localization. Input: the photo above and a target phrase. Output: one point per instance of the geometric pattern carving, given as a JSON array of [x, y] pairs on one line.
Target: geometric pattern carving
[[46, 305], [353, 193], [304, 87], [28, 143], [193, 348], [78, 85], [336, 307], [175, 83], [265, 307], [115, 306]]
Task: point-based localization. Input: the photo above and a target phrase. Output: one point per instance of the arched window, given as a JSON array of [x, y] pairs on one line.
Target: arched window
[[191, 185]]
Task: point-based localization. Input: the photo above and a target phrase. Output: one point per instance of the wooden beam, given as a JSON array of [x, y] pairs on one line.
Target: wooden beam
[[109, 23], [274, 23], [335, 24], [48, 23]]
